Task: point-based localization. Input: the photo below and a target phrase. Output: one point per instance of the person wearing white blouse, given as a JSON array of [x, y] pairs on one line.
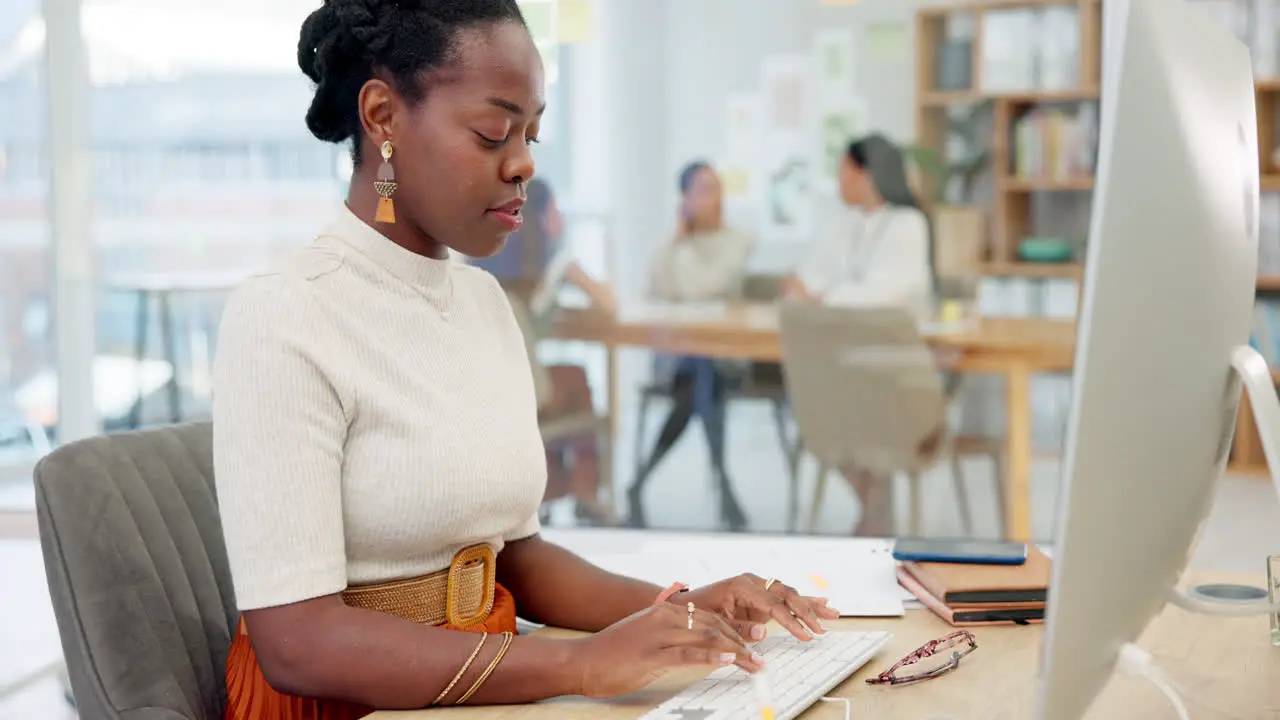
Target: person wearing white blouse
[[878, 254]]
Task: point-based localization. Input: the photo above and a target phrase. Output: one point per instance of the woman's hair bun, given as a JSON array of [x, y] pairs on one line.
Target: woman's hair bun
[[331, 41], [343, 41]]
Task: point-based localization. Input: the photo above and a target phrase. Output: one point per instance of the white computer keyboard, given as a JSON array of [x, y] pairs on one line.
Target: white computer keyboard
[[798, 674]]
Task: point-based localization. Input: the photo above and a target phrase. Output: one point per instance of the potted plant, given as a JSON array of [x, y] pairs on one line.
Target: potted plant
[[947, 190]]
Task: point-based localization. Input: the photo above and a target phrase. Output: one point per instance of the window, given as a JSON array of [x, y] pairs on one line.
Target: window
[[25, 252]]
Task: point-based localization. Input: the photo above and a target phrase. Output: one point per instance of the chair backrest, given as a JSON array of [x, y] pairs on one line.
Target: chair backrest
[[138, 572], [863, 386], [524, 318], [762, 288]]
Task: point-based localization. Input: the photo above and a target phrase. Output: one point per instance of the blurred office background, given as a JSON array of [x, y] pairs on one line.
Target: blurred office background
[[199, 169]]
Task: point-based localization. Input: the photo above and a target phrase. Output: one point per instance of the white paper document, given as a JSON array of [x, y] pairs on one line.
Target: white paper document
[[858, 577]]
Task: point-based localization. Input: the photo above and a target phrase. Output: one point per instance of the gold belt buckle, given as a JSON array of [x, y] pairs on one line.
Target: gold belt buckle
[[466, 559]]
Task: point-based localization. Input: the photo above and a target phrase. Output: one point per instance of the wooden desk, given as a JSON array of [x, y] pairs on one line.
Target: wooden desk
[[1228, 664], [1013, 348]]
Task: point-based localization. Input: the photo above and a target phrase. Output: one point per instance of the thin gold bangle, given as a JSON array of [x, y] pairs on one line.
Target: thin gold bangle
[[474, 654], [507, 637]]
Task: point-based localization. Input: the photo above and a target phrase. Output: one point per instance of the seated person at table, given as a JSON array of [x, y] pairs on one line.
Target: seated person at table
[[376, 449], [535, 260], [705, 262], [879, 254], [531, 266]]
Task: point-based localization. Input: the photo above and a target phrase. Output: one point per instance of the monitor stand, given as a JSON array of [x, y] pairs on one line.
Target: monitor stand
[[1254, 374], [1252, 371]]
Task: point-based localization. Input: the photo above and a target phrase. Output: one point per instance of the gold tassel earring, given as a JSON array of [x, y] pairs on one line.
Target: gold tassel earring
[[385, 185]]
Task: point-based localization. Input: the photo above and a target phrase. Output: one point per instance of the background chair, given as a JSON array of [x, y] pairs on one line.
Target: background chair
[[866, 391], [761, 381], [138, 573], [569, 425]]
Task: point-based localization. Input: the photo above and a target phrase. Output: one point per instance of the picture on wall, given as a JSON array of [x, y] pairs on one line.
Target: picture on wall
[[834, 61], [789, 195], [786, 93], [838, 126], [739, 163], [784, 146]]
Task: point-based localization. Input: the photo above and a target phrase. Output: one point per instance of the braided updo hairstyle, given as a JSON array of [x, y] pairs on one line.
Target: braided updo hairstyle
[[346, 43]]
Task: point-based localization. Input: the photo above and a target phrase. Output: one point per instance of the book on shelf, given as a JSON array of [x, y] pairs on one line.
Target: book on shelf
[[1269, 235], [1019, 297], [1266, 330], [1254, 22], [1052, 143], [1058, 66], [1264, 46], [1034, 48], [1008, 63]]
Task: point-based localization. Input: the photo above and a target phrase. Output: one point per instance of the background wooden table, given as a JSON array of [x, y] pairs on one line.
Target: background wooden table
[[1013, 348]]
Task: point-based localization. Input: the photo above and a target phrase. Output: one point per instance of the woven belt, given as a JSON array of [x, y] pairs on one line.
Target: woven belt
[[461, 596]]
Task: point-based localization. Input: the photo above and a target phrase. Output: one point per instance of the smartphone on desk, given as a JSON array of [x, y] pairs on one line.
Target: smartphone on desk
[[973, 552]]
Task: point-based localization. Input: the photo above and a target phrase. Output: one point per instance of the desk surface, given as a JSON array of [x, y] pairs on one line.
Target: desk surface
[[1226, 666], [751, 331]]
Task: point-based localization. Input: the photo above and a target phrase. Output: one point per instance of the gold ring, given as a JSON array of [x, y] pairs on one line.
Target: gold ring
[[691, 616], [769, 583]]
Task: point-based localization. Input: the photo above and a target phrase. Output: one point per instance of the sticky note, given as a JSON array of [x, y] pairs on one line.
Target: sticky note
[[736, 182], [820, 581], [574, 22]]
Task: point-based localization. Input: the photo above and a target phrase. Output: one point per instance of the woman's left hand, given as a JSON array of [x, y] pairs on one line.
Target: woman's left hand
[[747, 605]]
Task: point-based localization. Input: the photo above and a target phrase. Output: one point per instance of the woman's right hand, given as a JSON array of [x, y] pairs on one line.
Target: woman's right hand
[[632, 653]]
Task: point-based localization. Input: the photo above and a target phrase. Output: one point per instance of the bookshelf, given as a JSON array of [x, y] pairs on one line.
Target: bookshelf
[[1009, 214], [1009, 207]]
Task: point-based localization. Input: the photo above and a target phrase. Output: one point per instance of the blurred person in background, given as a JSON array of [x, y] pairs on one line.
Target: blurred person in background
[[532, 265], [705, 262], [536, 259], [878, 255]]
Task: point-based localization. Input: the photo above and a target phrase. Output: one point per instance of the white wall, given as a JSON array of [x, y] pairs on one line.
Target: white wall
[[660, 74]]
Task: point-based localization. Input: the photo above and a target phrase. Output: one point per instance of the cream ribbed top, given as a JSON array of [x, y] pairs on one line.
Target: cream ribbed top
[[868, 259], [373, 414], [702, 267]]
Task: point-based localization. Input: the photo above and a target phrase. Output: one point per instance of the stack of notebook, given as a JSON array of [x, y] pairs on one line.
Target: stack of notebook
[[966, 595]]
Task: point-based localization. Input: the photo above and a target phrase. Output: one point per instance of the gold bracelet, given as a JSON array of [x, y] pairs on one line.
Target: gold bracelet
[[507, 637], [474, 653]]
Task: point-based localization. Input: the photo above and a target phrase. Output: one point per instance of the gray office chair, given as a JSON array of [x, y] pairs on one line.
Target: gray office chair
[[138, 573]]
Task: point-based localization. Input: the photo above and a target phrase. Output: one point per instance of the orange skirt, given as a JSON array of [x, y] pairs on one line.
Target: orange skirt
[[249, 697]]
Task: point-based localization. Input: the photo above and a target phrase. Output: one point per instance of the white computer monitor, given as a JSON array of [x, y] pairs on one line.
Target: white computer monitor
[[1169, 288]]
